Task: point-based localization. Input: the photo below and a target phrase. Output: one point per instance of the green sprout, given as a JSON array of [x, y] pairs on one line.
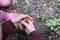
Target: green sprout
[[52, 23], [22, 0], [47, 2], [58, 0], [27, 10], [58, 11], [43, 16], [39, 2], [17, 26]]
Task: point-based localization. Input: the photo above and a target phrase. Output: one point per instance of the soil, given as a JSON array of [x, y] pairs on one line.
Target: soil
[[35, 8]]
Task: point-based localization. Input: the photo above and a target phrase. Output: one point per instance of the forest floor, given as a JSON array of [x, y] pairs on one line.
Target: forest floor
[[35, 8]]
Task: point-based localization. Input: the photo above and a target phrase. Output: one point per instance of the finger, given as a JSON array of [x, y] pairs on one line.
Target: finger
[[28, 17], [20, 26], [24, 23], [30, 22]]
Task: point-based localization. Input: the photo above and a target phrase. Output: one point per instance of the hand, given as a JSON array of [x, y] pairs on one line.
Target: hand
[[19, 18], [29, 26]]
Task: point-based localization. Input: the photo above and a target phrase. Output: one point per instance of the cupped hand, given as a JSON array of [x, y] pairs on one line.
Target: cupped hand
[[29, 26], [21, 17]]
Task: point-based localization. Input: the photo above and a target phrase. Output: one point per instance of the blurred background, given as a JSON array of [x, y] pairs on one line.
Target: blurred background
[[46, 14]]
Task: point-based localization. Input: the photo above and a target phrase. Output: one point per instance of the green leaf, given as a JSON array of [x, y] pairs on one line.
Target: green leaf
[[56, 29], [58, 11], [22, 0], [48, 24], [53, 23], [58, 0], [17, 26], [47, 2], [27, 10], [39, 2], [59, 6], [50, 20], [43, 16], [57, 20], [47, 21], [58, 23], [52, 28]]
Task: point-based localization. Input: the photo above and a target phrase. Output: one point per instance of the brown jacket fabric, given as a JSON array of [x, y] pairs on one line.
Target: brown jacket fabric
[[7, 28]]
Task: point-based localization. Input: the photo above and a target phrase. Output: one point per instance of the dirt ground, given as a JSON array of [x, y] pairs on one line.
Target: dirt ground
[[35, 8]]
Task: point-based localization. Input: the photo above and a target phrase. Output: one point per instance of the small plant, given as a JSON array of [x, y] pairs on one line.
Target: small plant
[[22, 0], [17, 27], [58, 0], [53, 24], [47, 2], [58, 11], [42, 16], [39, 2], [26, 10]]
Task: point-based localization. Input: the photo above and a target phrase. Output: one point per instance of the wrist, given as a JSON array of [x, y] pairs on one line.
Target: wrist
[[28, 32], [13, 21], [32, 30]]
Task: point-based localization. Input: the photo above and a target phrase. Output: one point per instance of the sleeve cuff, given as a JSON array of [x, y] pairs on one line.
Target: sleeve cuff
[[7, 26], [33, 33]]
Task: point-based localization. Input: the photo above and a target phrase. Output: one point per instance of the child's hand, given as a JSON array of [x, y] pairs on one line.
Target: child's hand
[[21, 17], [29, 26]]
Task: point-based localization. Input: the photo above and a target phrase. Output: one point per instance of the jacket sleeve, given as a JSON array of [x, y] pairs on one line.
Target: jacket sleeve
[[7, 28], [34, 36]]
